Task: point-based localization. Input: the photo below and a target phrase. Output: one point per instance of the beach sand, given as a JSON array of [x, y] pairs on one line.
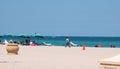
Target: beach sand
[[53, 57]]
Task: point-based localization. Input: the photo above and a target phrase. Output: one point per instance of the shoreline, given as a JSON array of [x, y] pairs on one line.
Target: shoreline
[[58, 41], [63, 46]]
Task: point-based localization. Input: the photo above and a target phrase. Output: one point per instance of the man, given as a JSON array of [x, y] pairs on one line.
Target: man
[[67, 43]]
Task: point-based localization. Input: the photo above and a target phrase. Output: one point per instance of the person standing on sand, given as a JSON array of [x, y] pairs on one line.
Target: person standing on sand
[[67, 42]]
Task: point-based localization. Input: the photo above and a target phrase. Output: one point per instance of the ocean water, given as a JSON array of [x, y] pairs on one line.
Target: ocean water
[[60, 40]]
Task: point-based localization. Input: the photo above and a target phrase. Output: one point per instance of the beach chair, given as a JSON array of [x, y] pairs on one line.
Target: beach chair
[[73, 44], [46, 44]]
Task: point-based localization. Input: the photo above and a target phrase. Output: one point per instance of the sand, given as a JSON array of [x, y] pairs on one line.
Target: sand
[[52, 57]]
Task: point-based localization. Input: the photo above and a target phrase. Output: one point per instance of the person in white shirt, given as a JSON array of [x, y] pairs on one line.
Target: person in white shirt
[[67, 43]]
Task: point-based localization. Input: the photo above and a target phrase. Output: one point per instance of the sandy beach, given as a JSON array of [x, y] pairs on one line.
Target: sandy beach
[[52, 57]]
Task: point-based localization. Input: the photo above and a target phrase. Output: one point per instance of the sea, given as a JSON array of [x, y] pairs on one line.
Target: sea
[[60, 40]]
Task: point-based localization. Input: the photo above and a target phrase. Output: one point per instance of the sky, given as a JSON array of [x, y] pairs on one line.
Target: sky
[[60, 17]]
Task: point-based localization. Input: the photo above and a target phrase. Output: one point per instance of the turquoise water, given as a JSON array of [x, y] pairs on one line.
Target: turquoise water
[[60, 40]]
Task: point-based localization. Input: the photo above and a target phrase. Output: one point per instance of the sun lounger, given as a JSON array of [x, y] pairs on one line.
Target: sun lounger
[[73, 44], [46, 44]]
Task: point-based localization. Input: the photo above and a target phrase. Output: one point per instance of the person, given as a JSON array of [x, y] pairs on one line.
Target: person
[[112, 46], [27, 41], [0, 42], [16, 42], [67, 42], [32, 43], [98, 45], [11, 41], [83, 47]]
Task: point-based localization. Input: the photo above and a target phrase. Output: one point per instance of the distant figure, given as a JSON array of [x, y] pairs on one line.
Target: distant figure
[[32, 44], [67, 43], [11, 41], [83, 47], [99, 45], [96, 45], [16, 42], [27, 41], [0, 42], [112, 46]]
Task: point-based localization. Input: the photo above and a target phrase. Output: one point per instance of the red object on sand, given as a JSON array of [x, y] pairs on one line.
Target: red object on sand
[[33, 45], [99, 46], [83, 47]]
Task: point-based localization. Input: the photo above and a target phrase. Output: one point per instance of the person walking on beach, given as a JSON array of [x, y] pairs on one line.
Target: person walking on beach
[[67, 42]]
